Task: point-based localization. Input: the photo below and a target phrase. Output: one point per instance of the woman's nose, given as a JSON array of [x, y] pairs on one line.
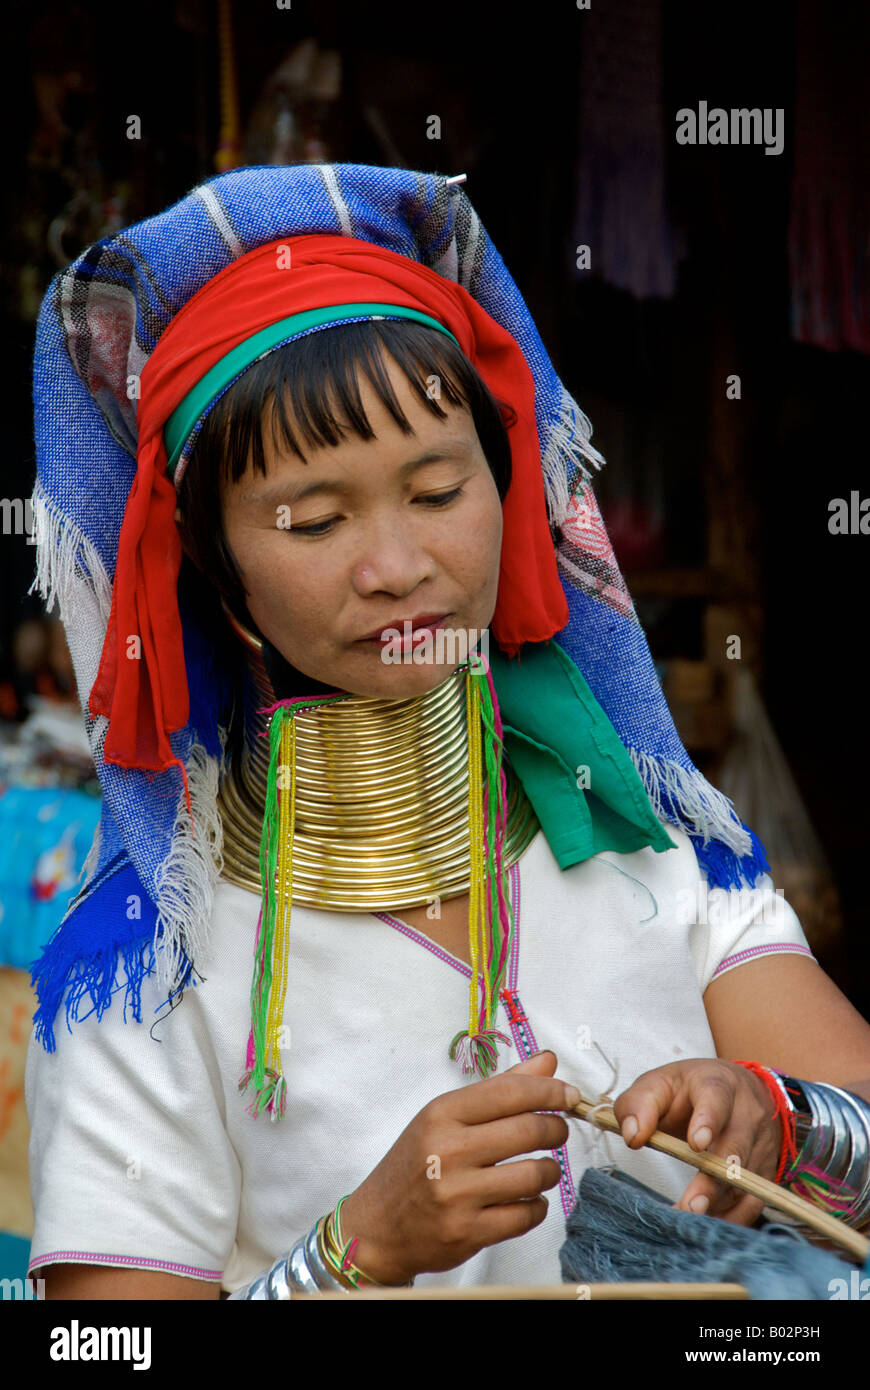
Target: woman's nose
[[391, 562]]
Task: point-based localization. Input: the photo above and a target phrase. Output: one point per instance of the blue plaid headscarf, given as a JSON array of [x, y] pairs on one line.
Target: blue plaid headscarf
[[100, 320]]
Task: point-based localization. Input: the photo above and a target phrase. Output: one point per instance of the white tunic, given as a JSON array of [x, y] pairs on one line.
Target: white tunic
[[142, 1153]]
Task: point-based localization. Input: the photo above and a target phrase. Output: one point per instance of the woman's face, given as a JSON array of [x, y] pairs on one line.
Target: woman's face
[[366, 535]]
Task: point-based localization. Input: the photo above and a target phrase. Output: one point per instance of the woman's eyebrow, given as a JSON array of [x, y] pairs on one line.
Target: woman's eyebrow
[[290, 493]]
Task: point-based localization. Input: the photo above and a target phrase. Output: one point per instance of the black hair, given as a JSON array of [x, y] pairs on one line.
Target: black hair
[[319, 372]]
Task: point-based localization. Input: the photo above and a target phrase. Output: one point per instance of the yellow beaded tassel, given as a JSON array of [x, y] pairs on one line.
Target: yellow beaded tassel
[[476, 1048], [476, 940], [269, 985], [286, 826]]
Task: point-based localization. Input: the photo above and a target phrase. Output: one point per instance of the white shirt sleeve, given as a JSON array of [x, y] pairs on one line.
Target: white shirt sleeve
[[130, 1161], [728, 927]]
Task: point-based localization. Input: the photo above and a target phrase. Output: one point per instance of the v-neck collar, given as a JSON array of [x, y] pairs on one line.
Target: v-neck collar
[[437, 950]]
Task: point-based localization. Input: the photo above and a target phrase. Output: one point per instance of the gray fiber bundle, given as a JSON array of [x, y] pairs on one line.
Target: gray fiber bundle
[[621, 1230]]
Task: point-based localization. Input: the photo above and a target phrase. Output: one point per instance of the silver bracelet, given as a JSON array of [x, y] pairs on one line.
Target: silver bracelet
[[857, 1175], [832, 1128], [303, 1270]]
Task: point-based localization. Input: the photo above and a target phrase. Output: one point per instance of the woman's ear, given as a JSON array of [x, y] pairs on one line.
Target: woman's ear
[[179, 522]]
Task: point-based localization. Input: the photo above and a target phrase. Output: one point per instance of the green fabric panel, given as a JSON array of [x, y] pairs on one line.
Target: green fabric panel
[[553, 725]]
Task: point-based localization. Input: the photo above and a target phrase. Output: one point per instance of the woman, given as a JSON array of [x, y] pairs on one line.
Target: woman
[[368, 466]]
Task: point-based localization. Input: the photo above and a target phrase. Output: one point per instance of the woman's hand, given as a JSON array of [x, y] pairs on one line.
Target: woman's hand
[[444, 1190], [716, 1106]]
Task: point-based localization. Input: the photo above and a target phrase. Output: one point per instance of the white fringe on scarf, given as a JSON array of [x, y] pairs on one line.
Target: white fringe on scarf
[[701, 808], [569, 442], [187, 878], [61, 552]]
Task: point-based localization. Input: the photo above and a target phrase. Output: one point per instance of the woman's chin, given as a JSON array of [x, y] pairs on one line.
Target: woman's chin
[[396, 680]]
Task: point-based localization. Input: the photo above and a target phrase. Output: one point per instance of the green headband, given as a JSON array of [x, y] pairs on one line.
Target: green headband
[[184, 417]]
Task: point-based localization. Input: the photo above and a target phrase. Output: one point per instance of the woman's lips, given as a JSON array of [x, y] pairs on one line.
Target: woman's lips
[[411, 631]]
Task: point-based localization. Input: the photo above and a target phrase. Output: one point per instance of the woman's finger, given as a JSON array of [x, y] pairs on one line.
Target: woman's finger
[[695, 1100], [717, 1196], [712, 1095], [743, 1211], [743, 1149], [702, 1189], [644, 1104]]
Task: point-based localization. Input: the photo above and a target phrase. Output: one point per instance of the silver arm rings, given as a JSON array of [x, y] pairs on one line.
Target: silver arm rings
[[303, 1270], [832, 1129]]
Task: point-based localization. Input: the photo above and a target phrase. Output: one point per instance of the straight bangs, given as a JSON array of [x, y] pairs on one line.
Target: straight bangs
[[320, 373]]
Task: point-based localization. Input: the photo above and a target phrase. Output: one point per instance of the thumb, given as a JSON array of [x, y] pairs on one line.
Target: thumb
[[542, 1064]]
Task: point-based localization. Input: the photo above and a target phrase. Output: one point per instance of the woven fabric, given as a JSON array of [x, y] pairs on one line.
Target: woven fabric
[[99, 322], [621, 1230]]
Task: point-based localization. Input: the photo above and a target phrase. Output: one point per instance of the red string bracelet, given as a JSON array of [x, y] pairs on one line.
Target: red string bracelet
[[782, 1109]]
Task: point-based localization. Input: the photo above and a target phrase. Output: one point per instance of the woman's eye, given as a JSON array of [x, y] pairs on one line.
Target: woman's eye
[[318, 528], [322, 528], [442, 498]]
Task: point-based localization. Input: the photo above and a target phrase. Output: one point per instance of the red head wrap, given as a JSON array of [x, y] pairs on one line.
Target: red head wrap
[[144, 693]]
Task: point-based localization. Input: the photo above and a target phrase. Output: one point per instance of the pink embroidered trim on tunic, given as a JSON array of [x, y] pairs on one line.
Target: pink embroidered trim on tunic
[[424, 941], [136, 1261], [771, 948]]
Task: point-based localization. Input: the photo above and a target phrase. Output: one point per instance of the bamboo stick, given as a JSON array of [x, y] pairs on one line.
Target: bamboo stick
[[575, 1292], [769, 1192]]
